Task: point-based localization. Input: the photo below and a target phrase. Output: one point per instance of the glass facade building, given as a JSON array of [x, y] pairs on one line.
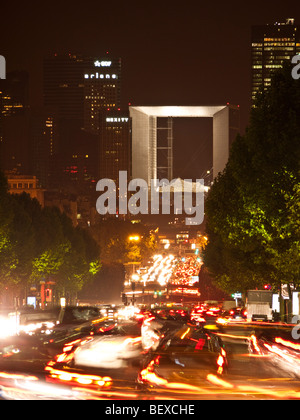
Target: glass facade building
[[115, 144], [79, 89], [102, 90], [271, 46]]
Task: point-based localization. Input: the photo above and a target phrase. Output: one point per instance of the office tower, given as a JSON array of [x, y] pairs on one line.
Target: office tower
[[63, 91], [14, 96], [79, 88], [271, 46], [44, 140], [15, 122], [63, 85], [102, 90], [15, 149], [115, 144], [15, 93], [80, 170]]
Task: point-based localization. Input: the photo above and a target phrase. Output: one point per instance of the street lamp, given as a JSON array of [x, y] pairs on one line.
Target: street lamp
[[134, 238], [135, 277]]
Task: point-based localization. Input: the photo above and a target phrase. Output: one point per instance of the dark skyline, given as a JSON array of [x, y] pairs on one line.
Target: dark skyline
[[189, 53]]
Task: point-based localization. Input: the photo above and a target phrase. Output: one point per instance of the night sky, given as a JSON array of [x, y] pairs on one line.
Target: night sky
[[173, 53]]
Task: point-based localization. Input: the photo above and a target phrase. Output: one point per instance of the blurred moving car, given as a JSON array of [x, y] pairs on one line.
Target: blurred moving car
[[205, 314], [159, 321], [184, 357], [281, 356], [237, 314], [100, 355], [78, 314], [44, 337]]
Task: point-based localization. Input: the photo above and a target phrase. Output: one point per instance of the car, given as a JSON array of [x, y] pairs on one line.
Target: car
[[205, 314], [184, 356], [78, 314], [237, 314], [108, 358], [159, 321]]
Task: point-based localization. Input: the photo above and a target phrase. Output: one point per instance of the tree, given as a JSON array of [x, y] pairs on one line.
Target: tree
[[113, 237], [8, 257], [41, 244], [71, 256], [253, 206], [81, 263]]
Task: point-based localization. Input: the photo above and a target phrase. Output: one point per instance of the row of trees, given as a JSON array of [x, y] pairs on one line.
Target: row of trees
[[41, 244], [253, 209]]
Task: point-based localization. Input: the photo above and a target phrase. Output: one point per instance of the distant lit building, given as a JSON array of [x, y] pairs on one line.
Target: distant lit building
[[44, 142], [145, 145], [18, 184], [15, 147], [14, 92], [80, 170], [271, 46], [115, 144], [79, 88], [63, 92], [102, 90], [14, 122], [63, 85]]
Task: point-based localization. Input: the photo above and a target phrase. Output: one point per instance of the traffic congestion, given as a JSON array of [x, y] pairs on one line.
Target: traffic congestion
[[162, 351]]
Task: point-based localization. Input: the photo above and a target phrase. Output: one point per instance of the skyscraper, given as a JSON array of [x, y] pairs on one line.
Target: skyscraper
[[271, 46], [44, 138], [15, 93], [63, 85], [63, 92], [79, 88], [102, 90], [15, 122], [115, 144]]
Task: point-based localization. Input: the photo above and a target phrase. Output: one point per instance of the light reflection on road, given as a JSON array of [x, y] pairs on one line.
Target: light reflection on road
[[261, 365]]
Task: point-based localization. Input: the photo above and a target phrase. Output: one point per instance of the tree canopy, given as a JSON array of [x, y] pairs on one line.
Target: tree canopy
[[41, 244], [123, 242], [253, 207]]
